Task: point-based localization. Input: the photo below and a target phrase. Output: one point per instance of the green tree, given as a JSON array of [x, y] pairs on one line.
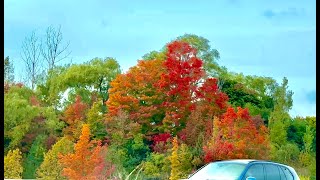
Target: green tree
[[185, 157], [95, 119], [137, 151], [8, 70], [51, 168], [296, 131], [34, 158], [12, 165], [157, 166], [82, 79], [204, 52], [279, 121], [279, 118], [18, 115]]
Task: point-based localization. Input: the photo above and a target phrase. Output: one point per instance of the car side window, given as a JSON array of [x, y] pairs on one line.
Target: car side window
[[256, 171], [272, 172], [287, 172], [282, 175]]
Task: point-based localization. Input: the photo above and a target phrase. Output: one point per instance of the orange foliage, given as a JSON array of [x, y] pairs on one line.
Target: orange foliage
[[135, 93], [86, 158], [236, 136], [73, 115]]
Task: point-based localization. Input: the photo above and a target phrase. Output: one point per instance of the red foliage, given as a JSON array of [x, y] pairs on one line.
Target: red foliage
[[74, 114], [236, 136], [7, 86], [104, 170], [180, 82], [50, 141], [160, 141], [34, 101], [160, 95]]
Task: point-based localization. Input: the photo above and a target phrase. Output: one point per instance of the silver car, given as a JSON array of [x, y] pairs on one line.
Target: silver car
[[245, 169]]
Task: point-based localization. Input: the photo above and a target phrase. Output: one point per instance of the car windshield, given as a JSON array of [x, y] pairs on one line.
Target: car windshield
[[219, 171]]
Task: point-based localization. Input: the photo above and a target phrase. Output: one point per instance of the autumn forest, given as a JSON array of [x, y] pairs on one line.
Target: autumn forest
[[174, 111]]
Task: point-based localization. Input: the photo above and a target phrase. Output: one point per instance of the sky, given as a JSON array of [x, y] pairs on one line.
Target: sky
[[256, 37]]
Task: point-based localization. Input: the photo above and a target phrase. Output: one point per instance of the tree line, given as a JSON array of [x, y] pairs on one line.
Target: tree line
[[174, 111]]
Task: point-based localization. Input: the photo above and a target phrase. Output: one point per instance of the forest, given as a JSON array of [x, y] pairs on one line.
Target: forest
[[174, 111]]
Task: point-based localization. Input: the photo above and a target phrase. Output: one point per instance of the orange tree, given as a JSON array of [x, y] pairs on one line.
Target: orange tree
[[236, 136], [86, 158], [159, 95]]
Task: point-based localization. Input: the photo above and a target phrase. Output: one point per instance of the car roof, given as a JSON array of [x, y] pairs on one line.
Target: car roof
[[247, 161], [243, 161]]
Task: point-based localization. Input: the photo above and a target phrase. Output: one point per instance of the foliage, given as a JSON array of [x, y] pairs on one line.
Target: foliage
[[126, 121], [137, 151], [18, 114], [8, 70], [34, 158], [175, 163], [185, 158], [74, 116], [157, 165], [12, 165], [204, 52], [86, 157], [159, 142], [93, 76], [50, 168], [287, 153], [236, 137], [134, 93], [95, 120]]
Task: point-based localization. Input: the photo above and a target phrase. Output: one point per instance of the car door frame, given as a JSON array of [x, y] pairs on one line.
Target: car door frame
[[243, 177]]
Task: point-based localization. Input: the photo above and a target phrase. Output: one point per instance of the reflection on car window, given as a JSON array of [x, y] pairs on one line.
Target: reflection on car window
[[287, 173], [255, 171], [282, 175], [272, 172], [219, 171]]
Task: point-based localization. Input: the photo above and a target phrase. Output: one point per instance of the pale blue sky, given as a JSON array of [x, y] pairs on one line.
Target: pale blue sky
[[257, 37]]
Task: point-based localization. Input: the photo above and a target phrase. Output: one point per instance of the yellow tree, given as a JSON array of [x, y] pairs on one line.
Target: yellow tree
[[86, 157], [50, 167], [175, 163], [12, 165]]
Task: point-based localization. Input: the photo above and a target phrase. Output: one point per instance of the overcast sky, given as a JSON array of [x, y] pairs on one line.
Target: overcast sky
[[257, 37]]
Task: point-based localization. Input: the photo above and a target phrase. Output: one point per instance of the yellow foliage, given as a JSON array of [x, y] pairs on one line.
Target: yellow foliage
[[175, 163], [50, 167], [12, 165]]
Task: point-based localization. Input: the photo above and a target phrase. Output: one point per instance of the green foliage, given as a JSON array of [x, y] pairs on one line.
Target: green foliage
[[157, 166], [296, 130], [287, 153], [154, 55], [204, 52], [8, 70], [50, 168], [18, 114], [30, 116], [12, 165], [279, 118], [238, 94], [95, 119], [92, 76], [254, 92], [185, 158], [137, 151], [34, 158], [53, 123]]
